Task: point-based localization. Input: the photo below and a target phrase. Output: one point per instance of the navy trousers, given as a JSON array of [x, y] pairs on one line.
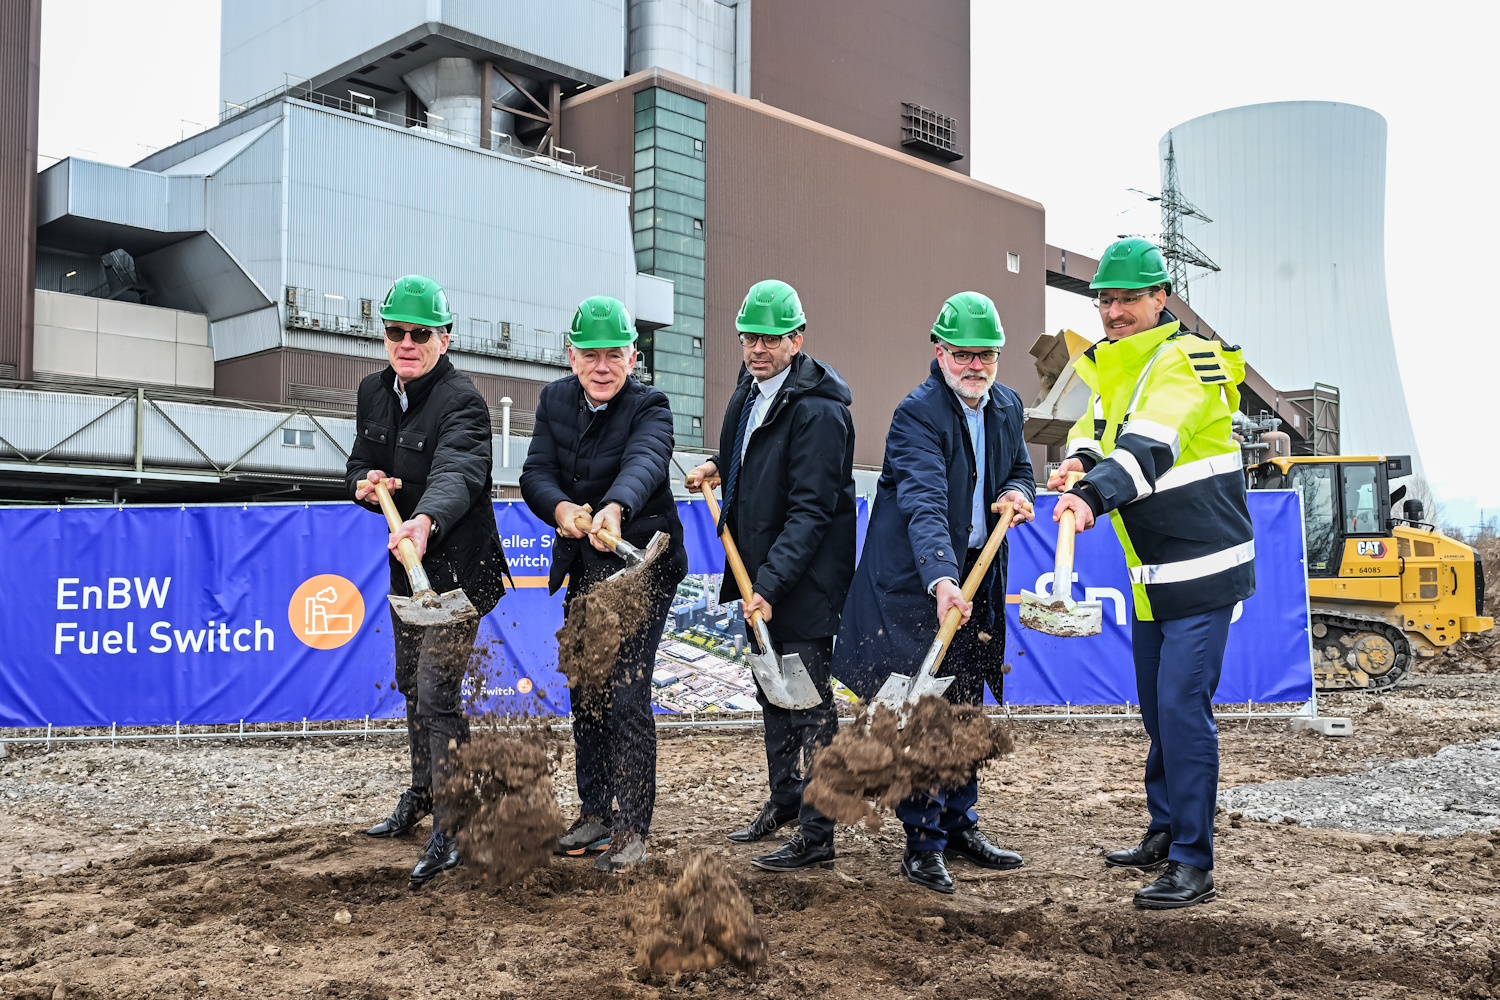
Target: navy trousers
[[615, 737], [931, 817], [792, 735], [1177, 667]]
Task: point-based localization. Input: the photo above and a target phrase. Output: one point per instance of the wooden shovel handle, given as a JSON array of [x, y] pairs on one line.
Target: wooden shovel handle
[[583, 522], [954, 618], [1067, 530], [736, 564], [404, 548]]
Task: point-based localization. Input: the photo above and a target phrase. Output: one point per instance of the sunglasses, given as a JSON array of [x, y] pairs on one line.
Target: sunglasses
[[421, 336]]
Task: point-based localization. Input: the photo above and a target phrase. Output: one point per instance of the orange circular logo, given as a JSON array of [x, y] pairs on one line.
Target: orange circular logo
[[524, 685], [326, 611]]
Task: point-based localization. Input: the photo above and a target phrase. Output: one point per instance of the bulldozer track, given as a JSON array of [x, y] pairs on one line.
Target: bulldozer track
[[1352, 627]]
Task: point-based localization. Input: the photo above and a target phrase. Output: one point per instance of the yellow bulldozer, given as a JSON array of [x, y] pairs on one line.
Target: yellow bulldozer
[[1382, 589]]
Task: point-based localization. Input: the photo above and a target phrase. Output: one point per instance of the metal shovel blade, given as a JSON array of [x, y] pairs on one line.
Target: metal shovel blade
[[784, 679], [428, 608], [900, 692], [1060, 616], [636, 559]]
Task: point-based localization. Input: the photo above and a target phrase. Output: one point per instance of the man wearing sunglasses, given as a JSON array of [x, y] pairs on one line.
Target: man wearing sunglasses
[[420, 420], [603, 440], [955, 445], [786, 453], [1158, 448]]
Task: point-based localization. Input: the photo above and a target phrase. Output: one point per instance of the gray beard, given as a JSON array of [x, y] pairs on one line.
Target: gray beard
[[955, 382]]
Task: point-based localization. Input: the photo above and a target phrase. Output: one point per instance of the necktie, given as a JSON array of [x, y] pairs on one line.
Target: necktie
[[732, 477]]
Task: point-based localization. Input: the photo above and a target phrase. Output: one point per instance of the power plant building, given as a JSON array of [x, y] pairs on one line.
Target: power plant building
[[1296, 192]]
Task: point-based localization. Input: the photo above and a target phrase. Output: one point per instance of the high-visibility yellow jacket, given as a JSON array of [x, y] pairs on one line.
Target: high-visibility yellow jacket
[[1158, 447]]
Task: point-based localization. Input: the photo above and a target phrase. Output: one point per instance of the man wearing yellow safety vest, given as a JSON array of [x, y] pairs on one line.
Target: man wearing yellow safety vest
[[1157, 450]]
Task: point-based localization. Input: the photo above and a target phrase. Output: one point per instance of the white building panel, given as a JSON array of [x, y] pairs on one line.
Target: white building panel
[[1296, 192]]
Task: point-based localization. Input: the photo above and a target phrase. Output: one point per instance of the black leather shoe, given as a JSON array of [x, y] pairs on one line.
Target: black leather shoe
[[1148, 856], [766, 822], [410, 808], [797, 852], [1180, 885], [926, 868], [440, 855], [971, 845]]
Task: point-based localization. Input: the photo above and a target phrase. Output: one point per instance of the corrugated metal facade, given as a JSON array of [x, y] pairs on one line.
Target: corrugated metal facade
[[852, 66], [20, 46], [244, 209], [874, 241], [510, 241]]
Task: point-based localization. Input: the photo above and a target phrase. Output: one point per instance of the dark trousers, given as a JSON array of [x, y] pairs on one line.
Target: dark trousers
[[793, 734], [931, 817], [1177, 667], [615, 734], [430, 666]]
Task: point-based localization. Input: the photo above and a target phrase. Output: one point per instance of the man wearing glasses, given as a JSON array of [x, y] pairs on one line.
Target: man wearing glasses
[[603, 440], [1158, 450], [787, 455], [421, 421], [955, 445]]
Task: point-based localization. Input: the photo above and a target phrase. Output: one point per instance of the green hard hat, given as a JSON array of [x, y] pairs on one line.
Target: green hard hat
[[415, 299], [770, 307], [969, 319], [1132, 263], [601, 321]]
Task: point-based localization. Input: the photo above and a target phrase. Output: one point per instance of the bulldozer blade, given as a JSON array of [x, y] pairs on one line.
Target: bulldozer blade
[[784, 679], [428, 608], [1060, 617], [636, 560]]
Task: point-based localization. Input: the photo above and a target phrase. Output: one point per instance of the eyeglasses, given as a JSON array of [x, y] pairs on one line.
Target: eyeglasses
[[967, 357], [1125, 299], [767, 340], [419, 336]]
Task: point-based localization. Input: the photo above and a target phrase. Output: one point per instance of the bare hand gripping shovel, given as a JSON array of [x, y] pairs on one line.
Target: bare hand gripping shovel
[[1058, 615], [784, 679], [900, 692], [636, 560], [424, 607]]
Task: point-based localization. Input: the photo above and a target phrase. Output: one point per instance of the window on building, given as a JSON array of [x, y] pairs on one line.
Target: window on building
[[1013, 263], [291, 438]]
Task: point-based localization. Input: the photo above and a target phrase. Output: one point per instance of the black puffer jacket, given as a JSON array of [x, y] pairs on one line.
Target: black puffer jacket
[[440, 450], [794, 517], [619, 454]]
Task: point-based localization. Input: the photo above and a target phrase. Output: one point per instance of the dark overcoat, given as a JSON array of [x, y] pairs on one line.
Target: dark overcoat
[[439, 447], [794, 519], [920, 525]]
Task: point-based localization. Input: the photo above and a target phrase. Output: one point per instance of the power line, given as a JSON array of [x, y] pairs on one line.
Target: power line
[[1179, 251]]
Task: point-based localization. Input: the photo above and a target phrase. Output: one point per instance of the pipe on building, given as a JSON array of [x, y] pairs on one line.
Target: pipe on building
[[505, 405], [450, 89]]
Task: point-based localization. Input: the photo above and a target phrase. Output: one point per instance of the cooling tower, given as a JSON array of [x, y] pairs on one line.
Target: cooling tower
[[1296, 192]]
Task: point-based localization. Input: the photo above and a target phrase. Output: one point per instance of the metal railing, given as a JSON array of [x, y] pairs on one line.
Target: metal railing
[[563, 159], [470, 334]]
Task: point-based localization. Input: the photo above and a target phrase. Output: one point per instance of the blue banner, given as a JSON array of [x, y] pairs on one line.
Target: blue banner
[[275, 613]]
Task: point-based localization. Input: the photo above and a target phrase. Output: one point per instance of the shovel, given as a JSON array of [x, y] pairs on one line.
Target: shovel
[[1058, 615], [784, 679], [636, 560], [424, 607], [900, 692]]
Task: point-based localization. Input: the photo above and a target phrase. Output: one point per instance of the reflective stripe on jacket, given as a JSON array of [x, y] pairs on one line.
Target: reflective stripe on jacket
[[1158, 446]]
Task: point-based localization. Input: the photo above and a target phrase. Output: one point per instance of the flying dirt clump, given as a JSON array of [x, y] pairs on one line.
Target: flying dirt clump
[[598, 622], [498, 800], [698, 922], [872, 767]]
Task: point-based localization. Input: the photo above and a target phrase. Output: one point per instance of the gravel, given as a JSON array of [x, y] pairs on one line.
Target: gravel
[[1454, 791]]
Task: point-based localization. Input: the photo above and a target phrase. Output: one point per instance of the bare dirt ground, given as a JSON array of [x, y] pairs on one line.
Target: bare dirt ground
[[228, 870]]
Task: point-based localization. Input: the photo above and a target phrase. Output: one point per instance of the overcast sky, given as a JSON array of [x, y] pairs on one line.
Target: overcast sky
[[1068, 104]]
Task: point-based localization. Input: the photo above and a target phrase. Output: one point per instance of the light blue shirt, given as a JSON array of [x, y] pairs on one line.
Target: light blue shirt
[[974, 417]]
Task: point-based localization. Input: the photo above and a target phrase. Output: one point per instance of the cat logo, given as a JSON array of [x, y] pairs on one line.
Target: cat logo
[[1374, 548]]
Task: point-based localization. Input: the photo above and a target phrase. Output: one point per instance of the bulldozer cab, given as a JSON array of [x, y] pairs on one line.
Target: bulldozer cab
[[1343, 498]]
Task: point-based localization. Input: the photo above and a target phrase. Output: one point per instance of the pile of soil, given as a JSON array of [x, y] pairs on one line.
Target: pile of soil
[[597, 623], [875, 762], [498, 797], [698, 922]]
